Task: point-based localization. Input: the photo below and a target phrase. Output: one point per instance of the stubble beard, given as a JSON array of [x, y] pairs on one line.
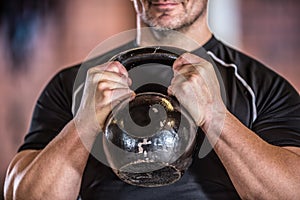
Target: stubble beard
[[179, 23]]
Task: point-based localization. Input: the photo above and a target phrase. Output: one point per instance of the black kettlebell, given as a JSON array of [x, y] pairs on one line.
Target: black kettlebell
[[149, 141]]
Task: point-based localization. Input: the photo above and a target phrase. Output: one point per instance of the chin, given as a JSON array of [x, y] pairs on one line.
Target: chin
[[163, 22], [163, 26]]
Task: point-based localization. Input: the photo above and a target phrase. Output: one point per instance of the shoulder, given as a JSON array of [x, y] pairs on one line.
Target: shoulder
[[257, 75], [230, 57], [245, 76]]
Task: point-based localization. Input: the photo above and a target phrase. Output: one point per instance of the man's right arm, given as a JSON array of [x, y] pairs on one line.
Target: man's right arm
[[52, 173], [56, 171]]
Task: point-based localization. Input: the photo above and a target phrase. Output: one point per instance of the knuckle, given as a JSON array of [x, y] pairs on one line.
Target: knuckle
[[105, 97], [102, 85], [193, 78], [96, 78], [107, 93], [98, 68], [116, 63], [113, 66]]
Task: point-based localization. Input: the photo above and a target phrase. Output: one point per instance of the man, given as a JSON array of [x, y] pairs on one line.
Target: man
[[256, 156]]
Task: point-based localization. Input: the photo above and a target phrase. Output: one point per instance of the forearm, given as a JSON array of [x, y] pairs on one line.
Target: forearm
[[55, 173], [257, 169]]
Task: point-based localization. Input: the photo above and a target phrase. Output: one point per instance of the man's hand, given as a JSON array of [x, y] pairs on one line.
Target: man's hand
[[196, 86], [106, 85]]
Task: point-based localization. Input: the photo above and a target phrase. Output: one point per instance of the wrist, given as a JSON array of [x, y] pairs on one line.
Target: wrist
[[214, 121], [87, 124], [87, 131]]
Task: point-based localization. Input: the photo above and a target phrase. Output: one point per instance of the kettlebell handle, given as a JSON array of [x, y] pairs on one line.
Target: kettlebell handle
[[143, 55]]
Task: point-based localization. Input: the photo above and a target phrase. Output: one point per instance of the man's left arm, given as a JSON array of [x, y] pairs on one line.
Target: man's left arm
[[257, 169]]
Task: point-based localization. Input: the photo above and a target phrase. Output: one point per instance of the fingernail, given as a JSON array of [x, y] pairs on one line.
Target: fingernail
[[132, 96]]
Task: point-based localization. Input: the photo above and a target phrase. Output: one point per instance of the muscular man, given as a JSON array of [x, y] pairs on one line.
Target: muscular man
[[256, 156]]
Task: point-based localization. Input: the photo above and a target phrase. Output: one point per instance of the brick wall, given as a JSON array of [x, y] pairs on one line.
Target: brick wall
[[61, 40], [270, 32]]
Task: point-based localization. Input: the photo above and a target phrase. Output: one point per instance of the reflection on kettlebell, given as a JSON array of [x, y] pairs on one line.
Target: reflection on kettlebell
[[149, 141]]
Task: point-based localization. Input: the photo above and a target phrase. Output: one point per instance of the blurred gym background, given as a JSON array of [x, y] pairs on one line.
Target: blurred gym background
[[40, 37]]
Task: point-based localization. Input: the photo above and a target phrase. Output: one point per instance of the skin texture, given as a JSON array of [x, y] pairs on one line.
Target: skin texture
[[257, 169]]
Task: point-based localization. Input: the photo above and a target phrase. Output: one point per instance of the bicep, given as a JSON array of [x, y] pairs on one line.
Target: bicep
[[17, 167], [21, 161]]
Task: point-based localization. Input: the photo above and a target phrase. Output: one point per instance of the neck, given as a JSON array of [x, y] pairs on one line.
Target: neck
[[189, 38]]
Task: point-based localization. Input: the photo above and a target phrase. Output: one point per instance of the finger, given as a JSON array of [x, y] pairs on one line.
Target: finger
[[103, 112], [110, 85], [123, 71], [185, 82], [110, 97], [114, 94], [170, 91], [117, 67], [187, 59], [185, 70], [122, 95], [176, 82], [111, 76], [113, 66]]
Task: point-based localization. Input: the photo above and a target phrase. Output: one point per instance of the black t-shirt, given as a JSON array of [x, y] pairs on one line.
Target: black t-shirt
[[261, 99]]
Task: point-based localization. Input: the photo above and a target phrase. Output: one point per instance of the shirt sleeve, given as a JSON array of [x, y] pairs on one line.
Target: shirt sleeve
[[52, 111], [278, 107]]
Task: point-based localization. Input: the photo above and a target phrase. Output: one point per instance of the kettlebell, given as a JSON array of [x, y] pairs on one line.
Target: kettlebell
[[149, 141]]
